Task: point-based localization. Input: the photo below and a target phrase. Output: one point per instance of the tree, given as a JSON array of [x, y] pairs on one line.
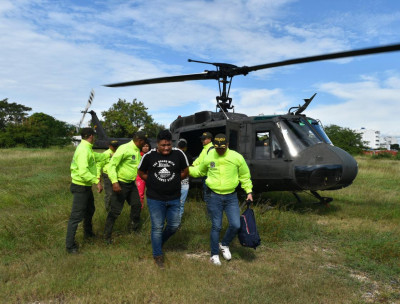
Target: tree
[[37, 131], [346, 139], [11, 113], [123, 119], [42, 130], [394, 147]]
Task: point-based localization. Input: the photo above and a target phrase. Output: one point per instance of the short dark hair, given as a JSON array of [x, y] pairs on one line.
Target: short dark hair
[[87, 132], [164, 135], [140, 135], [182, 143], [147, 143]]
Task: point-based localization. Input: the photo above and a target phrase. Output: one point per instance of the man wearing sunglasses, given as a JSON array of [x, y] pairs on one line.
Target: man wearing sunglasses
[[224, 169]]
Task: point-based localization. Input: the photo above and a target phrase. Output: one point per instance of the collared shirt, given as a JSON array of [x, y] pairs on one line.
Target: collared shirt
[[123, 165], [224, 172], [83, 165]]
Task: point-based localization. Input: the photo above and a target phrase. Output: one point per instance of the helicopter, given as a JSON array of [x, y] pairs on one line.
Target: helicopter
[[288, 152]]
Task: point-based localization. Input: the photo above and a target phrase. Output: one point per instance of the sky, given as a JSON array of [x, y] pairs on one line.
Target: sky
[[53, 53]]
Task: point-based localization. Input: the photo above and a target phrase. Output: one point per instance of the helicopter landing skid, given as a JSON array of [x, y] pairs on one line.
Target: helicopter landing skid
[[322, 199]]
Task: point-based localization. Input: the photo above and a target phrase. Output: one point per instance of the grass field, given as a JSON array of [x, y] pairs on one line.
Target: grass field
[[348, 252]]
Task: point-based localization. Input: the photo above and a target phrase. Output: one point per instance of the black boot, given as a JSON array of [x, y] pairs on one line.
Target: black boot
[[133, 226], [108, 229]]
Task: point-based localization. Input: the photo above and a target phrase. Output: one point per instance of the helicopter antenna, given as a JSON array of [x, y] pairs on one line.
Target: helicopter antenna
[[89, 103], [301, 109], [227, 118]]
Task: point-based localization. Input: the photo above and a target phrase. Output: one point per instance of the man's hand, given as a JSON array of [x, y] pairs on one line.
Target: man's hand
[[116, 187], [249, 197], [99, 187]]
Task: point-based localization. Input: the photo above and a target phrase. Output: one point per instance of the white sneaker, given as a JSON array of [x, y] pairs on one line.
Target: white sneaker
[[225, 252], [215, 260]]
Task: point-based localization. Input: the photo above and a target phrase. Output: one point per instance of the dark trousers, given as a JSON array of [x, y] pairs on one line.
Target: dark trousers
[[82, 209], [129, 193], [107, 192]]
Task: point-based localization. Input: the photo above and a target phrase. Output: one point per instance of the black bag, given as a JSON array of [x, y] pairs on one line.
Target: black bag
[[248, 234]]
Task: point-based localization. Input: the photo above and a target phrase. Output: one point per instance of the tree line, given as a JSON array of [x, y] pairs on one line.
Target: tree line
[[40, 130], [122, 119]]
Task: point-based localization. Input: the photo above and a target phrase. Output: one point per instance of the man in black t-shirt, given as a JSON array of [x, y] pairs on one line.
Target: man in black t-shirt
[[163, 169]]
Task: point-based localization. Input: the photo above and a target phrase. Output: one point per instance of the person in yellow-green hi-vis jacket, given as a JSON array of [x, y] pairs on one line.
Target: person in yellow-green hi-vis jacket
[[224, 169], [102, 173], [84, 175], [122, 171]]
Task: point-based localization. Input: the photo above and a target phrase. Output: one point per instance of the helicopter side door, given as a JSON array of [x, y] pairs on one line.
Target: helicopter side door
[[267, 158]]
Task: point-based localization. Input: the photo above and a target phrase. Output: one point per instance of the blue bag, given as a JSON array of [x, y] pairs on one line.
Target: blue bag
[[248, 234]]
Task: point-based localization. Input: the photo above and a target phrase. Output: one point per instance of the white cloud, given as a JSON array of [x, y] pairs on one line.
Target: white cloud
[[371, 103], [53, 53]]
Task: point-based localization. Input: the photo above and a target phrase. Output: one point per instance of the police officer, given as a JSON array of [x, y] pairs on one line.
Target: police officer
[[224, 169], [122, 172], [83, 173], [102, 173], [206, 140]]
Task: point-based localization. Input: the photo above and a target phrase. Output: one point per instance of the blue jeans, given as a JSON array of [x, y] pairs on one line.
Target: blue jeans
[[159, 212], [217, 204], [184, 194]]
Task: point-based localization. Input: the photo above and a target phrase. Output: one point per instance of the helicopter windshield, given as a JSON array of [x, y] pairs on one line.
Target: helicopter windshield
[[298, 135], [318, 128]]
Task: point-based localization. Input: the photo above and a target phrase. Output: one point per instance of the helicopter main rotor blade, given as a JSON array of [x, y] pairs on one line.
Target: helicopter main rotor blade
[[180, 78], [227, 70], [361, 52]]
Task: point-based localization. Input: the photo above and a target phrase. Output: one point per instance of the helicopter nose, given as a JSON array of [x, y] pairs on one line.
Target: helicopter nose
[[324, 167]]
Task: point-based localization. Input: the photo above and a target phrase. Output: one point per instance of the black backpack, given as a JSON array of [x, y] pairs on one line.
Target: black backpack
[[248, 234]]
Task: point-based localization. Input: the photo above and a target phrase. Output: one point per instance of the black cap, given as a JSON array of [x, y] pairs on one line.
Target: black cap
[[220, 141], [182, 143], [140, 135], [114, 143], [206, 135]]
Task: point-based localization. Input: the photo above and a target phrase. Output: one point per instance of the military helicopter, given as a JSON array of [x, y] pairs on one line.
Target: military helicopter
[[289, 152]]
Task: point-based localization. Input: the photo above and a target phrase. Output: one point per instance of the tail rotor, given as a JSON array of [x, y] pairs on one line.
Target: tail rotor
[[89, 103]]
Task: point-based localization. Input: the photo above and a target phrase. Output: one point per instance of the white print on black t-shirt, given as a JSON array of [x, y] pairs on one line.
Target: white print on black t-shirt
[[164, 175]]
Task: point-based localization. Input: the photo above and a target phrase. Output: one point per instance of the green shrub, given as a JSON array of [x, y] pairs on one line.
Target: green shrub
[[383, 155]]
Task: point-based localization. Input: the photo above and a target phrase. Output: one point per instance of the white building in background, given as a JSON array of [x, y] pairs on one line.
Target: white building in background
[[386, 141], [371, 137], [375, 140]]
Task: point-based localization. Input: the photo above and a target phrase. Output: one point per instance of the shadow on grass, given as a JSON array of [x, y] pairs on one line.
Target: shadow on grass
[[246, 254], [285, 201]]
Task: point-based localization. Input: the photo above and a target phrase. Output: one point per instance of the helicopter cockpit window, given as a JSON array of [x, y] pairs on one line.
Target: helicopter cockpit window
[[318, 128], [298, 135]]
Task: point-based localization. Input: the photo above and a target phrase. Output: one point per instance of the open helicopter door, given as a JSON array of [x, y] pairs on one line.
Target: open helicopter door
[[235, 138]]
